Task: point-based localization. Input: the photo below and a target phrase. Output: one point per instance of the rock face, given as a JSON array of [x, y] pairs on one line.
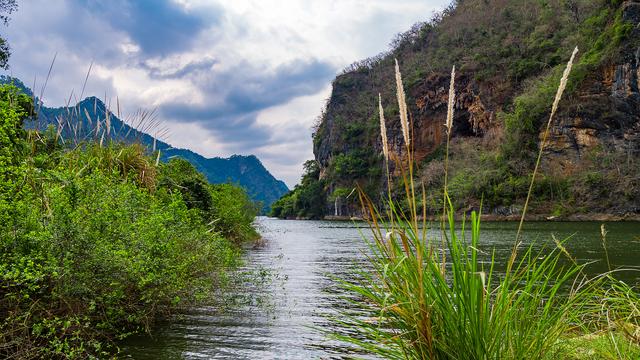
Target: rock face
[[599, 114], [606, 112], [473, 116]]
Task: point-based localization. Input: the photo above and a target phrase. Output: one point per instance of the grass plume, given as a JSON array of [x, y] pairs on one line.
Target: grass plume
[[554, 108], [402, 105], [452, 95], [383, 130], [449, 126]]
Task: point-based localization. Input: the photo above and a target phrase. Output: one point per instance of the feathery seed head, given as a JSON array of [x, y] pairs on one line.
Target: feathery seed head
[[452, 96], [108, 122], [402, 105], [383, 130], [563, 82]]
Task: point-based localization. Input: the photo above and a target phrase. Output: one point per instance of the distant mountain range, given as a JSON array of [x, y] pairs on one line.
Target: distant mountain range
[[80, 122]]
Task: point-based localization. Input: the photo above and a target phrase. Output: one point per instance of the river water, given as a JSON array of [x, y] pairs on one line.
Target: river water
[[289, 288]]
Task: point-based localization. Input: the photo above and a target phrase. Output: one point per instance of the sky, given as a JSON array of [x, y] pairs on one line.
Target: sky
[[225, 77]]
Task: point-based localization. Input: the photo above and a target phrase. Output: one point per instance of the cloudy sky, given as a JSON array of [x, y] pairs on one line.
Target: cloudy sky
[[226, 77]]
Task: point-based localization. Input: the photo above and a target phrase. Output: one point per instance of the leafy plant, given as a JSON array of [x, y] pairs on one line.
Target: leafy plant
[[100, 240], [430, 298]]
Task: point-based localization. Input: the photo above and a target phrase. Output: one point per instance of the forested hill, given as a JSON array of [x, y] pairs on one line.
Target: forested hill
[[509, 56], [79, 123]]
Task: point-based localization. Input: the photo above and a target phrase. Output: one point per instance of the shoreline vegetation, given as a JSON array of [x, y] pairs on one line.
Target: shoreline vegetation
[[597, 217], [100, 239], [430, 297]]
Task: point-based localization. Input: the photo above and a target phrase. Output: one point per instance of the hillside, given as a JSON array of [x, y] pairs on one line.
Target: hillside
[[509, 56], [79, 123]]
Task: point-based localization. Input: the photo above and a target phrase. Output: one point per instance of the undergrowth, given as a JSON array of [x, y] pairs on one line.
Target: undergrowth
[[99, 240]]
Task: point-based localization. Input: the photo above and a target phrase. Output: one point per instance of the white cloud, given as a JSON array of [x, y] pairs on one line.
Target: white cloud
[[277, 53]]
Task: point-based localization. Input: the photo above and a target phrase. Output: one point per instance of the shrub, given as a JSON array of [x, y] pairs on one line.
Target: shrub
[[97, 242], [93, 257]]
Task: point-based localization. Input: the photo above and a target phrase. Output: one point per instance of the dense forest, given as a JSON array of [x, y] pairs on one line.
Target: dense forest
[[509, 55]]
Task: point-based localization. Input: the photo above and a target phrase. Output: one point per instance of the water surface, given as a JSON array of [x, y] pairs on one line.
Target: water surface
[[279, 314]]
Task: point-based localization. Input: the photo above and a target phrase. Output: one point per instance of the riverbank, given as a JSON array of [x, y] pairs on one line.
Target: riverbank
[[100, 239], [303, 258], [497, 218]]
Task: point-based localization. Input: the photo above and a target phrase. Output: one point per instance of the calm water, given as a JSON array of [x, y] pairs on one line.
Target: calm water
[[279, 314]]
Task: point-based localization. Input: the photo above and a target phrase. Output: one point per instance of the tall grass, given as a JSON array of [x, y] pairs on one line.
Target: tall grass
[[419, 304]]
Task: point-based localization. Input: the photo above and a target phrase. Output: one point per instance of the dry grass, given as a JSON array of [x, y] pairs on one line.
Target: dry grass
[[383, 130]]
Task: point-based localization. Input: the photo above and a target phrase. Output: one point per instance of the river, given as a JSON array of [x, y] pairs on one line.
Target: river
[[290, 288]]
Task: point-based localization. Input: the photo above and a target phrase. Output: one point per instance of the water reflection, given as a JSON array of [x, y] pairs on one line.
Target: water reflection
[[283, 318]]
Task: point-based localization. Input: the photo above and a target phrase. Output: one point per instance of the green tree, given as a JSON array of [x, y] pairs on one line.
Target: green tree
[[178, 174], [6, 8], [14, 108], [307, 199]]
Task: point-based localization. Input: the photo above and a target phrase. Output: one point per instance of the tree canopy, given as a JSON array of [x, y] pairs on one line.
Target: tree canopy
[[6, 8]]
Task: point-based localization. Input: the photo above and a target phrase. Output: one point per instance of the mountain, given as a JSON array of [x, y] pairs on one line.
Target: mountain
[[81, 121], [247, 171], [509, 57]]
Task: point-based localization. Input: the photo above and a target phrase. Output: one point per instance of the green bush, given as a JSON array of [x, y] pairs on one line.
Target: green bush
[[97, 242], [306, 200], [100, 258], [233, 212], [14, 108], [180, 176]]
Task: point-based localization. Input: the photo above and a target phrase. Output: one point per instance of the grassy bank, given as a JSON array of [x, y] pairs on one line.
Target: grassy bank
[[99, 240], [430, 297]]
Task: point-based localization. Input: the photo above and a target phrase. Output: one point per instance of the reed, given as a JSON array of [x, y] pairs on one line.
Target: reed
[[554, 108], [383, 130], [415, 304], [407, 172], [402, 105], [449, 125]]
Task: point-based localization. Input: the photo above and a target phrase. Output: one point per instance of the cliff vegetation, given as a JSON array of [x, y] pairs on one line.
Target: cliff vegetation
[[509, 56]]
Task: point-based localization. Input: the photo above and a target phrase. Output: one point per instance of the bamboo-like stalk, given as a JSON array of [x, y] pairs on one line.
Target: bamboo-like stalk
[[554, 108], [445, 192]]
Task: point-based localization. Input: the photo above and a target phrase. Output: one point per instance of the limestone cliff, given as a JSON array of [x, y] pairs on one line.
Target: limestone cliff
[[510, 55]]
